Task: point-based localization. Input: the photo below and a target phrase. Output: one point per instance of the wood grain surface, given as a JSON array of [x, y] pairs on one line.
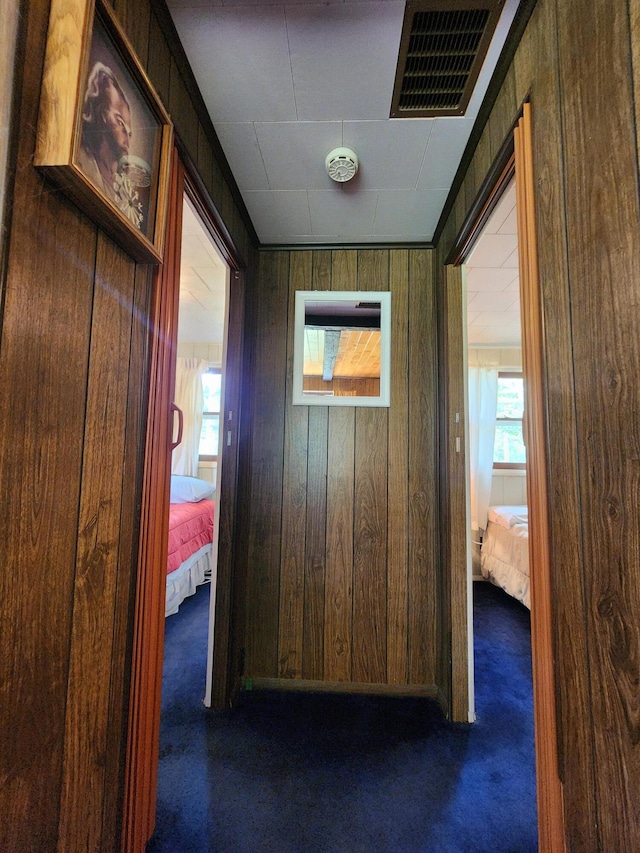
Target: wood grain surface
[[343, 572], [601, 162], [398, 473]]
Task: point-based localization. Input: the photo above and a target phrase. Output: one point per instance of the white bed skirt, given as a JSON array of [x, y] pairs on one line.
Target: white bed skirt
[[504, 560], [185, 579]]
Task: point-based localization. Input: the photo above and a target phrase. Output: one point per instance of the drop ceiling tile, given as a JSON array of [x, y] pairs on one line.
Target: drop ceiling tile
[[390, 153], [408, 215], [503, 209], [483, 278], [294, 152], [342, 212], [510, 225], [493, 250], [241, 148], [258, 85], [493, 301], [447, 142], [282, 212], [512, 261], [344, 58], [196, 253]]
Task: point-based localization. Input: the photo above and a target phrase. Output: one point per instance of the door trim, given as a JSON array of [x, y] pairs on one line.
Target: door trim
[[515, 157], [549, 787], [142, 749]]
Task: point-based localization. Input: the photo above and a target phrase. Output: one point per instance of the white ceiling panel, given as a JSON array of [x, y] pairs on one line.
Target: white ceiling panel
[[295, 152], [280, 212], [343, 58], [402, 214], [390, 153], [492, 301], [482, 278], [446, 146], [345, 213], [494, 250], [240, 57], [240, 145]]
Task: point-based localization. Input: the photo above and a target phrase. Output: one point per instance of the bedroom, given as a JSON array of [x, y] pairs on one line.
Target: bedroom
[[498, 520]]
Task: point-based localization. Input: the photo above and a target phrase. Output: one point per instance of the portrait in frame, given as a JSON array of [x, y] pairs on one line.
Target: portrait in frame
[[103, 135]]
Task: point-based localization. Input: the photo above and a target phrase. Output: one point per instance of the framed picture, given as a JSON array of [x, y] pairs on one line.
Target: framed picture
[[103, 135]]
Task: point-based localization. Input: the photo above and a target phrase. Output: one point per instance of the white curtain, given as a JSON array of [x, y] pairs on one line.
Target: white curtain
[[188, 397], [483, 395]]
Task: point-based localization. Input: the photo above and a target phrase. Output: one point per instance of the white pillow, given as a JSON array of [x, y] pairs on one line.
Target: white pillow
[[189, 489]]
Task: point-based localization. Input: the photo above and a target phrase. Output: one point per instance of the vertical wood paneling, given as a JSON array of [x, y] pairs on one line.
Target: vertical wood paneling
[[294, 497], [339, 571], [205, 159], [370, 547], [135, 21], [536, 60], [159, 61], [316, 544], [44, 344], [370, 514], [363, 518], [265, 524], [316, 522], [423, 495], [634, 25], [504, 113], [41, 418], [137, 401], [183, 112], [98, 554], [398, 529], [604, 270]]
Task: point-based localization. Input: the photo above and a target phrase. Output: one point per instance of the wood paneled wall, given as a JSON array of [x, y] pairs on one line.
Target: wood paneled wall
[[343, 581], [73, 374], [579, 64]]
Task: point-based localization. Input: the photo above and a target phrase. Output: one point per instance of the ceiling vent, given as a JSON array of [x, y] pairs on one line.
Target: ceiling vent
[[443, 46]]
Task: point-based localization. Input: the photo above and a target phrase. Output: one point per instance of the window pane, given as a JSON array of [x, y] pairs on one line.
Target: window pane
[[211, 384], [510, 397], [209, 436], [509, 446]]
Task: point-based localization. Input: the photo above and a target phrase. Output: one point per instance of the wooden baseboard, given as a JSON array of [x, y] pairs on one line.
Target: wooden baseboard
[[300, 685]]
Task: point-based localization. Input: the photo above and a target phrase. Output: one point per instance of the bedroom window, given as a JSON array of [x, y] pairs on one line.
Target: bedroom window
[[211, 390], [508, 448]]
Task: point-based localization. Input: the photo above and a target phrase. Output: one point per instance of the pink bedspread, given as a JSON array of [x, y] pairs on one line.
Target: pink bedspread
[[190, 527]]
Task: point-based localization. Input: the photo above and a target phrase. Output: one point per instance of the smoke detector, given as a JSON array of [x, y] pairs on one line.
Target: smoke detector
[[341, 164]]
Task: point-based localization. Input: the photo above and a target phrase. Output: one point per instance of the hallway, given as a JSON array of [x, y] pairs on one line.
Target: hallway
[[301, 773]]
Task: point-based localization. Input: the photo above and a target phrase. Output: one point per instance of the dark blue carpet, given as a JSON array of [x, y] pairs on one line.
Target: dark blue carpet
[[300, 773]]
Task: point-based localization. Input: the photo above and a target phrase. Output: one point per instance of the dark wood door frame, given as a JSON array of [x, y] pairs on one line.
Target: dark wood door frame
[[148, 621], [515, 158]]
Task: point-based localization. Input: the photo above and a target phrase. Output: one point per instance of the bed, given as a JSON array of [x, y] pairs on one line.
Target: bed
[[504, 556], [190, 553]]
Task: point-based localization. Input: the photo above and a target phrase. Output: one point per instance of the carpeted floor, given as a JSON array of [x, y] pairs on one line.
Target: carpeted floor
[[300, 773]]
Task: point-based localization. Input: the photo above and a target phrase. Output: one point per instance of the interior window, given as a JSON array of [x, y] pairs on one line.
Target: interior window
[[211, 388], [508, 449]]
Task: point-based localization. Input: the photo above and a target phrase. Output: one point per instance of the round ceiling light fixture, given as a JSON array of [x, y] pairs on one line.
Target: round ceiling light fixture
[[341, 164]]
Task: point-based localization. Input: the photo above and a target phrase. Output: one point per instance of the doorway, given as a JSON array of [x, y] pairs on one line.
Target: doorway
[[196, 463], [516, 158]]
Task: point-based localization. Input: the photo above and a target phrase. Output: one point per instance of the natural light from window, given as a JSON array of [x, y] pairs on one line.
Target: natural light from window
[[209, 436], [508, 449]]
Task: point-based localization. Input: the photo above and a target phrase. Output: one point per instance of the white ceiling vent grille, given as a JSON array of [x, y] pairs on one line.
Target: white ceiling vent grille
[[442, 49]]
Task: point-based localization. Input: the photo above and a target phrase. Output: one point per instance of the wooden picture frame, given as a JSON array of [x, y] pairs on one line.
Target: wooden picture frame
[[103, 136]]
